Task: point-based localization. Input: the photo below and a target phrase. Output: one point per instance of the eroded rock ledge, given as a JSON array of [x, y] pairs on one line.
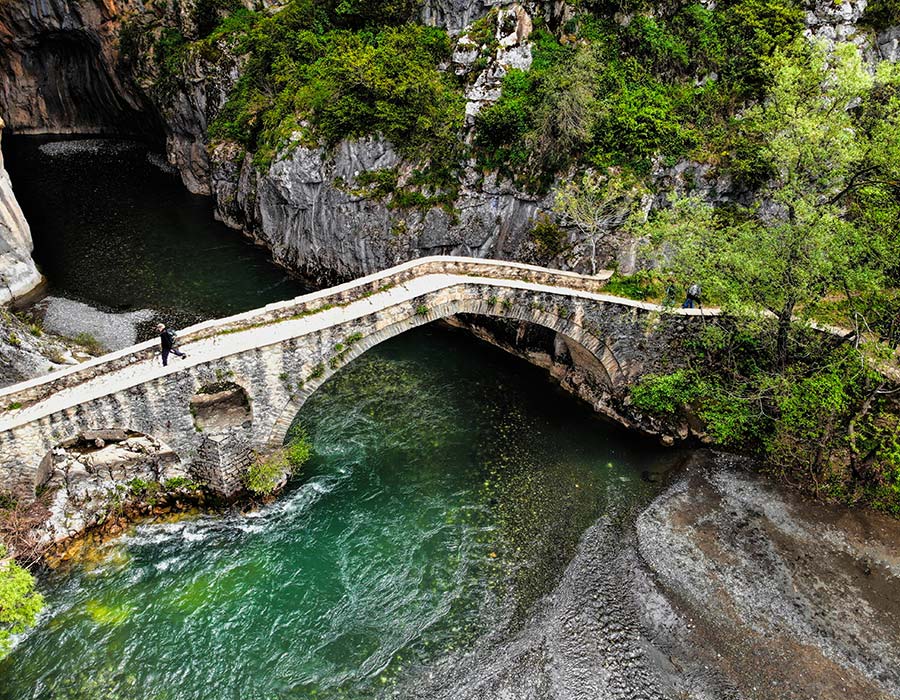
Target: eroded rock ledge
[[18, 274], [783, 596]]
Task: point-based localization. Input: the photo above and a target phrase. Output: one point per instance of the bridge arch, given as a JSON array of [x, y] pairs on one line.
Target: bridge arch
[[497, 306]]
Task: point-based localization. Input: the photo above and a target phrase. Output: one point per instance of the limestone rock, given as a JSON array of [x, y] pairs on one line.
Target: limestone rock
[[888, 43], [89, 483], [25, 354], [18, 275], [61, 69]]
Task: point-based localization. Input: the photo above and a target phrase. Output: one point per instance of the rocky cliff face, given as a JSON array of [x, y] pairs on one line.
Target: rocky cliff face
[[305, 210], [60, 69], [18, 275]]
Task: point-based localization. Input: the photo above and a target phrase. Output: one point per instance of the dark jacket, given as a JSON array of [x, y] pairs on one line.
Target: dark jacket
[[167, 338]]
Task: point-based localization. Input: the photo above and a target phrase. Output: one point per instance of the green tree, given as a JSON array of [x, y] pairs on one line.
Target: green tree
[[811, 231], [596, 204], [19, 602]]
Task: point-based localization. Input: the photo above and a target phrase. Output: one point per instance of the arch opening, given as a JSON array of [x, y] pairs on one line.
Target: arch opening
[[220, 406], [601, 368]]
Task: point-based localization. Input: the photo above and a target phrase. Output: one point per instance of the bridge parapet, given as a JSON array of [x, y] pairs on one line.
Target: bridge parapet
[[17, 396]]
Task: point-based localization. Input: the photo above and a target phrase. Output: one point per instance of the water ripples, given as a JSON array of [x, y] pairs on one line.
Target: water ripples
[[435, 516]]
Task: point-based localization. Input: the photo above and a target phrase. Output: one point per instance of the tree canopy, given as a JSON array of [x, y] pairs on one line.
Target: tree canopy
[[825, 223]]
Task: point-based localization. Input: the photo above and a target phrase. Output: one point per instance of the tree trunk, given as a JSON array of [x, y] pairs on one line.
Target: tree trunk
[[784, 327]]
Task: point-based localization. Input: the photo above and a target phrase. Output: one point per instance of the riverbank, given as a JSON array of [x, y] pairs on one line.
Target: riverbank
[[768, 593], [724, 586]]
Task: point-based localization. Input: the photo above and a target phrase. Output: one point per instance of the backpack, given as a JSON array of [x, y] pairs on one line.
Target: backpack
[[171, 335], [694, 291]]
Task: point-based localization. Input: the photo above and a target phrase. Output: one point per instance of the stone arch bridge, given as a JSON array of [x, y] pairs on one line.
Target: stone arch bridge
[[277, 356]]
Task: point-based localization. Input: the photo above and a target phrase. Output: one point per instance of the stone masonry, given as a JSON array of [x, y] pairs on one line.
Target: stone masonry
[[280, 354]]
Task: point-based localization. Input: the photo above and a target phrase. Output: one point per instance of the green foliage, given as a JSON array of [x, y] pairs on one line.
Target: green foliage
[[664, 84], [298, 452], [19, 601], [378, 184], [826, 422], [665, 394], [89, 343], [169, 52], [141, 487], [206, 14], [266, 473], [550, 239], [823, 158], [882, 14], [730, 418], [178, 483], [502, 126], [642, 285], [422, 310], [305, 75]]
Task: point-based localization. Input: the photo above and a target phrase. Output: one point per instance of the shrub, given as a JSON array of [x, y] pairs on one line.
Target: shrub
[[177, 483], [19, 601], [266, 473], [89, 343], [169, 52], [882, 14], [641, 285], [549, 238], [298, 452], [665, 394]]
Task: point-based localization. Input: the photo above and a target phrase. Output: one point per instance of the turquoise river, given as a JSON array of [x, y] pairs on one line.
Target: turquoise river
[[450, 486]]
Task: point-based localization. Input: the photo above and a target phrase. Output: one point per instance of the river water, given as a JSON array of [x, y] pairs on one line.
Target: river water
[[450, 487], [115, 228]]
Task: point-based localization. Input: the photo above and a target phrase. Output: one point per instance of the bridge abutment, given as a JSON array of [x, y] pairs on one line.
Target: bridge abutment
[[222, 462]]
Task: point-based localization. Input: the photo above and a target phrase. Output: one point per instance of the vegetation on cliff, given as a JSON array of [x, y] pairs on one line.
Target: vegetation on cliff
[[820, 240], [602, 90], [664, 84]]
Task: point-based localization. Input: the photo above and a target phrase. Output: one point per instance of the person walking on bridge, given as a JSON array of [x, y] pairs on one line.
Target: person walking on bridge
[[167, 343], [693, 297]]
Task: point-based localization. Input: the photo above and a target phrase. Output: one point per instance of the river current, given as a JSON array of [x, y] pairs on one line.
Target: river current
[[449, 490]]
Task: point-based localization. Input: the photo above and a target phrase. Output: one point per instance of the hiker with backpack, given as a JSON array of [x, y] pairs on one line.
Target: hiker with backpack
[[693, 296], [167, 343]]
